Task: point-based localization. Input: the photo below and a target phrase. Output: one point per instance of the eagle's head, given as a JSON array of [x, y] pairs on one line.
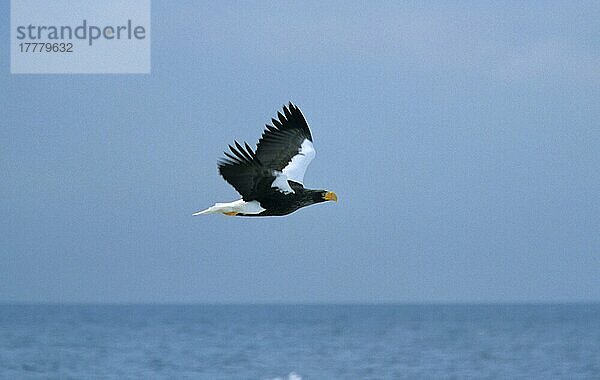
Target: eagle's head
[[325, 195]]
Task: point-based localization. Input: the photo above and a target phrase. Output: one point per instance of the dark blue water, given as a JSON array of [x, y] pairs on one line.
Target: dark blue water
[[300, 342]]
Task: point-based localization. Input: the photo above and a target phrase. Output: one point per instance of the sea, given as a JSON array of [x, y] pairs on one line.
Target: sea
[[294, 342]]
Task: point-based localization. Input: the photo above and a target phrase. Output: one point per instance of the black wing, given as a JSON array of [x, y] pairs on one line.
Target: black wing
[[282, 141], [252, 173], [245, 173]]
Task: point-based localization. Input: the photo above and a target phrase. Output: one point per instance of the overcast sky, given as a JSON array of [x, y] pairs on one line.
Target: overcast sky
[[462, 139]]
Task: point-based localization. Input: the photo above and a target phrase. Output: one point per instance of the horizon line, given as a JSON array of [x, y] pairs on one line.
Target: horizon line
[[300, 303]]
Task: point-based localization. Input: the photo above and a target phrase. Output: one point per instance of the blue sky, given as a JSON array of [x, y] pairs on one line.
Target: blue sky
[[462, 139]]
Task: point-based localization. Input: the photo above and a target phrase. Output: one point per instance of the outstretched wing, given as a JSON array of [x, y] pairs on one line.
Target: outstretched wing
[[287, 146], [283, 153], [242, 170]]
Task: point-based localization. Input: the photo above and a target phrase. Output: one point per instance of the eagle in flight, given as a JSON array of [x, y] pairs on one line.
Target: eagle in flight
[[270, 179]]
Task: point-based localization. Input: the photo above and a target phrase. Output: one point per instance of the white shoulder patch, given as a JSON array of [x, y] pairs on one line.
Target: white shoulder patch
[[297, 167], [295, 170], [281, 183]]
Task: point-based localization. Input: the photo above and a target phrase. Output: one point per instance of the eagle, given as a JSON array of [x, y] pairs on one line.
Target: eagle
[[270, 179]]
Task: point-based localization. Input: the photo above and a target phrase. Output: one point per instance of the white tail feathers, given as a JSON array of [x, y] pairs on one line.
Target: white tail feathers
[[239, 207], [209, 210], [218, 208]]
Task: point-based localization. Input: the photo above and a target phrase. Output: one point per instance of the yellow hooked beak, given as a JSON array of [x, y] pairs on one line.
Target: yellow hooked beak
[[330, 196]]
